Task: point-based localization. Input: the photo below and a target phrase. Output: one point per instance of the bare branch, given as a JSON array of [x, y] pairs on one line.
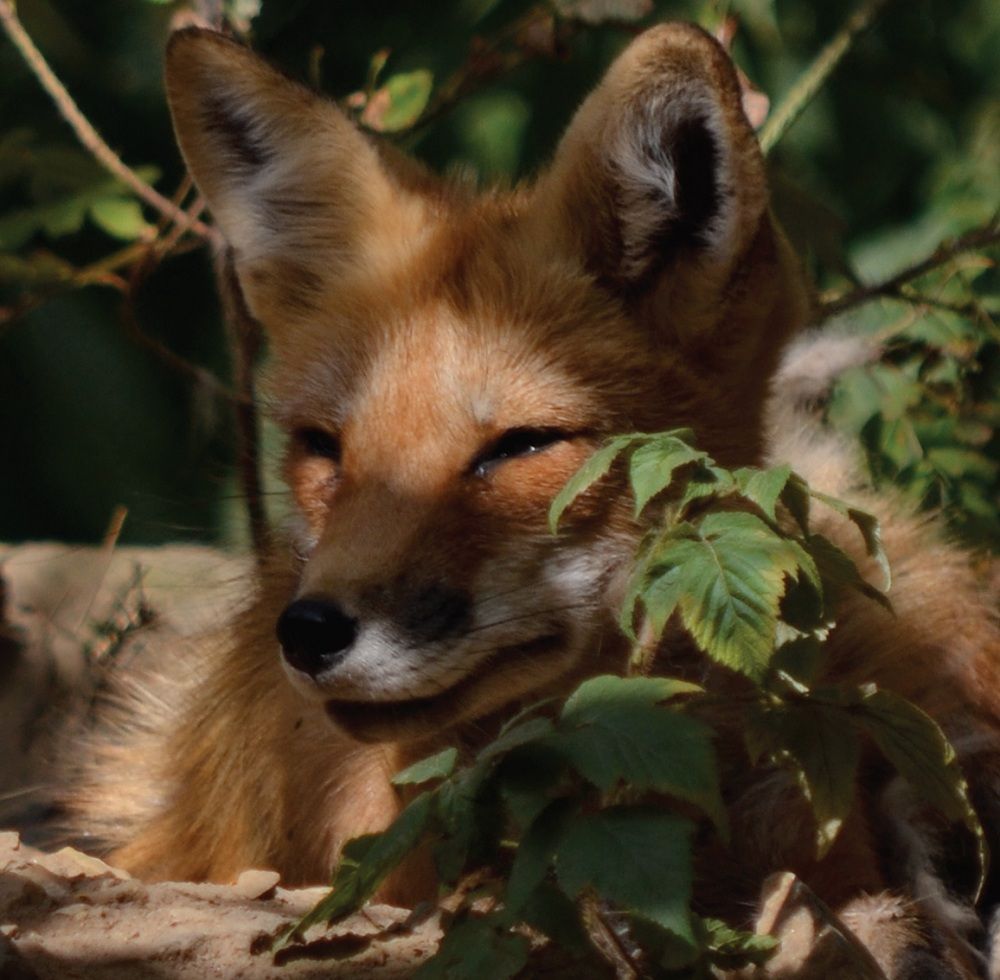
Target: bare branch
[[812, 80], [894, 287], [88, 136]]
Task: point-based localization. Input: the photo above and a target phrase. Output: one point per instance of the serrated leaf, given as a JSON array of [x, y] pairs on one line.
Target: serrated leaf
[[837, 569], [652, 466], [120, 217], [763, 487], [438, 766], [867, 524], [364, 864], [821, 741], [636, 858], [618, 729], [912, 741], [706, 481], [483, 948], [585, 477], [734, 574]]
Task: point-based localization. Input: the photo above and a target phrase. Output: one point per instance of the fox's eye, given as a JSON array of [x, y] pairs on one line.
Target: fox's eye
[[516, 442], [317, 442]]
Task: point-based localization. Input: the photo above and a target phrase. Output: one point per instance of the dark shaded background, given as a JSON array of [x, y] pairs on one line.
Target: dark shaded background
[[900, 150]]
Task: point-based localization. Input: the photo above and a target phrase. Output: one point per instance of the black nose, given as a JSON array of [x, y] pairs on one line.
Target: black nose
[[315, 635]]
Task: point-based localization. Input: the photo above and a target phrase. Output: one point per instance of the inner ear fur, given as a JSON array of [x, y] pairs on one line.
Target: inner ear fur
[[297, 190], [659, 166]]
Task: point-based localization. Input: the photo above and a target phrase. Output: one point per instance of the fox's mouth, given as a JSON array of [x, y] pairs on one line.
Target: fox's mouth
[[493, 684]]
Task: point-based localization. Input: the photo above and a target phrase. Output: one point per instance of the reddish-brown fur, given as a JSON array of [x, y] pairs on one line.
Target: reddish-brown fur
[[417, 321]]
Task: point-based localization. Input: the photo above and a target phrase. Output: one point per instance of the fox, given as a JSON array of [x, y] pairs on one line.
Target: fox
[[442, 359]]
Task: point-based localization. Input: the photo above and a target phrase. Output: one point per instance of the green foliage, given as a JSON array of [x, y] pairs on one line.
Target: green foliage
[[581, 816], [926, 412]]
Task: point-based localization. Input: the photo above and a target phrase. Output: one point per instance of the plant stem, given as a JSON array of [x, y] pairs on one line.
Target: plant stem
[[812, 80], [87, 135], [984, 236]]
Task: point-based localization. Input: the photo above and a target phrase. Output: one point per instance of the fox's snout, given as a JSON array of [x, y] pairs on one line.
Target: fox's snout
[[315, 635]]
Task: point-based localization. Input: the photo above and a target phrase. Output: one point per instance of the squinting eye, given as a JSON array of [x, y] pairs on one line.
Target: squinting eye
[[516, 442], [317, 442]]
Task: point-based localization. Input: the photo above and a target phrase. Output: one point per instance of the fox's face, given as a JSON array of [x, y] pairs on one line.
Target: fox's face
[[444, 361]]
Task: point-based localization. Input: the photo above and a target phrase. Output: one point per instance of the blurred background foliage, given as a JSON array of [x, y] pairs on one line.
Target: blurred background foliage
[[110, 327]]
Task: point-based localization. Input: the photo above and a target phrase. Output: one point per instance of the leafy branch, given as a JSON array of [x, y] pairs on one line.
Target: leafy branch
[[895, 287], [555, 818], [88, 136]]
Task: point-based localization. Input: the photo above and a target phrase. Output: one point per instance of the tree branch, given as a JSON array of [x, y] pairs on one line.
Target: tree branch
[[814, 77], [975, 240], [88, 136]]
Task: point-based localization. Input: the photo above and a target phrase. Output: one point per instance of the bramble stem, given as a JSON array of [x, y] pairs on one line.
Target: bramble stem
[[87, 135]]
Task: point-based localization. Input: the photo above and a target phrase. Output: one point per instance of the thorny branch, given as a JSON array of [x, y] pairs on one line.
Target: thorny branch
[[895, 287], [812, 80], [88, 135]]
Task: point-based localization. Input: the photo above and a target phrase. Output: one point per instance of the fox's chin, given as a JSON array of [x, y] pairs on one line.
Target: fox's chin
[[508, 675]]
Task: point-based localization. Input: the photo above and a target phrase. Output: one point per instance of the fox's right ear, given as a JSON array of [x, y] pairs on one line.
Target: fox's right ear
[[295, 187], [659, 183]]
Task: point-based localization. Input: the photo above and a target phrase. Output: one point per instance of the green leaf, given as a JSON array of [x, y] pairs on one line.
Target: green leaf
[[706, 481], [912, 741], [867, 524], [120, 217], [652, 466], [407, 95], [550, 911], [734, 572], [795, 496], [535, 854], [439, 766], [821, 742], [364, 865], [637, 858], [617, 729], [763, 487], [479, 948], [531, 730], [838, 570], [731, 948], [585, 477]]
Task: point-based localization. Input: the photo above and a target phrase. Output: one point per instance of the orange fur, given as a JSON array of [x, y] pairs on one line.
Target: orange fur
[[639, 284]]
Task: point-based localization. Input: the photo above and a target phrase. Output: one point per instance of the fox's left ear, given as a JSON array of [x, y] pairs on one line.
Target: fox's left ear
[[659, 166], [301, 195]]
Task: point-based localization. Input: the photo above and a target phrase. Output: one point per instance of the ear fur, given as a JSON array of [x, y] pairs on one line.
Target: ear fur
[[659, 164], [294, 186]]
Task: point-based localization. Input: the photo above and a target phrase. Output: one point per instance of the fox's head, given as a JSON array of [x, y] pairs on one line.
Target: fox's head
[[444, 360]]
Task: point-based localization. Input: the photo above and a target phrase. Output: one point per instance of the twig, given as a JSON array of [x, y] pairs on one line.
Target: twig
[[87, 135], [811, 81], [894, 287]]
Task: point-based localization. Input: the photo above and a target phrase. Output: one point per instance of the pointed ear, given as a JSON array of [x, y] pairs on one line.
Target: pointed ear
[[659, 166], [299, 193]]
